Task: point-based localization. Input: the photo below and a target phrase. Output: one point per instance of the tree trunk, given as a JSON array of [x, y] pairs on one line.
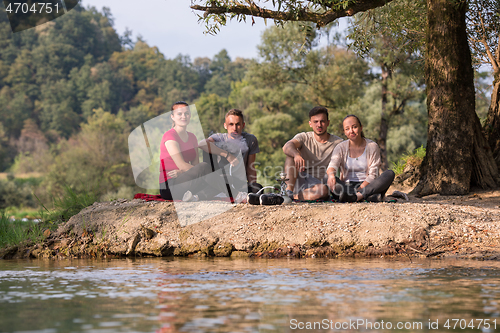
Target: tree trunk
[[384, 121], [492, 127], [457, 152]]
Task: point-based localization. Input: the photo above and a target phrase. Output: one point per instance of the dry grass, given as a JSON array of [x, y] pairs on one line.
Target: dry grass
[[3, 175]]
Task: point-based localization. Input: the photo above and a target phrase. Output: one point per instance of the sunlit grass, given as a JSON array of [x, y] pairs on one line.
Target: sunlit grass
[[19, 213], [16, 232], [414, 158], [5, 175], [67, 205]]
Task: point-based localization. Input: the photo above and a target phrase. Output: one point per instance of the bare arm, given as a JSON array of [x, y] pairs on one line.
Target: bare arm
[[197, 158], [251, 172], [291, 148], [174, 151], [363, 184], [331, 178], [209, 146]]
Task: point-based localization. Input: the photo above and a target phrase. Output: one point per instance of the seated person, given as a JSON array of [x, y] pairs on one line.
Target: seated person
[[229, 145], [179, 162], [359, 160], [307, 156]]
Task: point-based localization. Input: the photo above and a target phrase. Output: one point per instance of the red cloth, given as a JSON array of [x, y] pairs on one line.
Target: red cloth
[[188, 151], [157, 197], [149, 197]]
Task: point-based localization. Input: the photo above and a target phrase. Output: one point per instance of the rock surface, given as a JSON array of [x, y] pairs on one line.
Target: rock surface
[[435, 226]]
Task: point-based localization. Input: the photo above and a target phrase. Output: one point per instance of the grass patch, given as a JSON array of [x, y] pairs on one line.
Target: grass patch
[[23, 212], [16, 232], [67, 205], [414, 158]]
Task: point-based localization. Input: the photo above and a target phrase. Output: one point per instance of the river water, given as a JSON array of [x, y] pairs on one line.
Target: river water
[[246, 295]]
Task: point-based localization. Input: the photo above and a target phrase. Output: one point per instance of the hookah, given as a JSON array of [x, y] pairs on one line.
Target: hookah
[[282, 179]]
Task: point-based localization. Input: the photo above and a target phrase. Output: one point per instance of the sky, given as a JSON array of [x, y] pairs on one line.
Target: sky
[[173, 27]]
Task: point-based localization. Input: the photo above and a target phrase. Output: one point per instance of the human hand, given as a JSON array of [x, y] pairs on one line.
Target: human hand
[[233, 160], [299, 163], [331, 181], [174, 173]]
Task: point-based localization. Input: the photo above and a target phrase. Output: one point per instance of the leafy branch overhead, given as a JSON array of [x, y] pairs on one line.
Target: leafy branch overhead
[[320, 12]]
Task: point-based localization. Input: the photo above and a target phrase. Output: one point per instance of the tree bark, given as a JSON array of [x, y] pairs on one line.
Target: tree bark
[[305, 14], [492, 127], [457, 152], [384, 120]]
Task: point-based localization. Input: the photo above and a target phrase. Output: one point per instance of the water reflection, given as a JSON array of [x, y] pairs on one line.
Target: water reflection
[[224, 295]]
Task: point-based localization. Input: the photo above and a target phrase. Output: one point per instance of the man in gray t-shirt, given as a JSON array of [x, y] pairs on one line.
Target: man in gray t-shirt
[[229, 145], [307, 158]]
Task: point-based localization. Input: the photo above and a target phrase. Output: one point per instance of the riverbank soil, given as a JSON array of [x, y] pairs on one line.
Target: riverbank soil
[[433, 226]]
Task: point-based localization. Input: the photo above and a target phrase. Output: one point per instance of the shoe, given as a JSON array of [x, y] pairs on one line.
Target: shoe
[[345, 197], [289, 194], [241, 197], [189, 197], [390, 198], [253, 198], [271, 199], [399, 194], [377, 197]]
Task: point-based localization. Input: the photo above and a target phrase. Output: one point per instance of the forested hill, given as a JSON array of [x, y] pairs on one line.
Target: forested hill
[[72, 89], [59, 72]]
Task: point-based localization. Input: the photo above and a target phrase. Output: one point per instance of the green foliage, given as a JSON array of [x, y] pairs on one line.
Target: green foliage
[[97, 158], [400, 23], [273, 131], [217, 13], [415, 157], [211, 110], [483, 94], [70, 94], [16, 232], [64, 206], [15, 192]]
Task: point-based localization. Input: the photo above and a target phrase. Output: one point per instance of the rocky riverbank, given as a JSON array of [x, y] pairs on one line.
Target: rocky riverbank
[[435, 226]]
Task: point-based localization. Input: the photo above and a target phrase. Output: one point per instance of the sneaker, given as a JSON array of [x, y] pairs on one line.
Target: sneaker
[[271, 199], [188, 197], [241, 197], [399, 194], [253, 198], [289, 194]]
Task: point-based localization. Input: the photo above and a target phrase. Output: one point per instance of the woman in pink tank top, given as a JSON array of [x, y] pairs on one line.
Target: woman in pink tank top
[[182, 176]]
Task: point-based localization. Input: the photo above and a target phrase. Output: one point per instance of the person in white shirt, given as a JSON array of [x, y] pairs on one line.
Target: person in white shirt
[[358, 159]]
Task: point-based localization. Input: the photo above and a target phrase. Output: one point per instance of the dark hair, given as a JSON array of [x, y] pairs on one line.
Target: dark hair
[[318, 110], [178, 103], [235, 112], [359, 122], [172, 109]]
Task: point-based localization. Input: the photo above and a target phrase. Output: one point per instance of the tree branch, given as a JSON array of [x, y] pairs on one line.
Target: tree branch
[[487, 47], [321, 19]]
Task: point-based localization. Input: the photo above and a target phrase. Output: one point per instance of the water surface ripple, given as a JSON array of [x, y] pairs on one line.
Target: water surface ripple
[[243, 295]]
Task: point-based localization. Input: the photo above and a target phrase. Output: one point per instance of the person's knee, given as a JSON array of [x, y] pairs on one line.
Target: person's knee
[[390, 174], [203, 168], [319, 191]]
